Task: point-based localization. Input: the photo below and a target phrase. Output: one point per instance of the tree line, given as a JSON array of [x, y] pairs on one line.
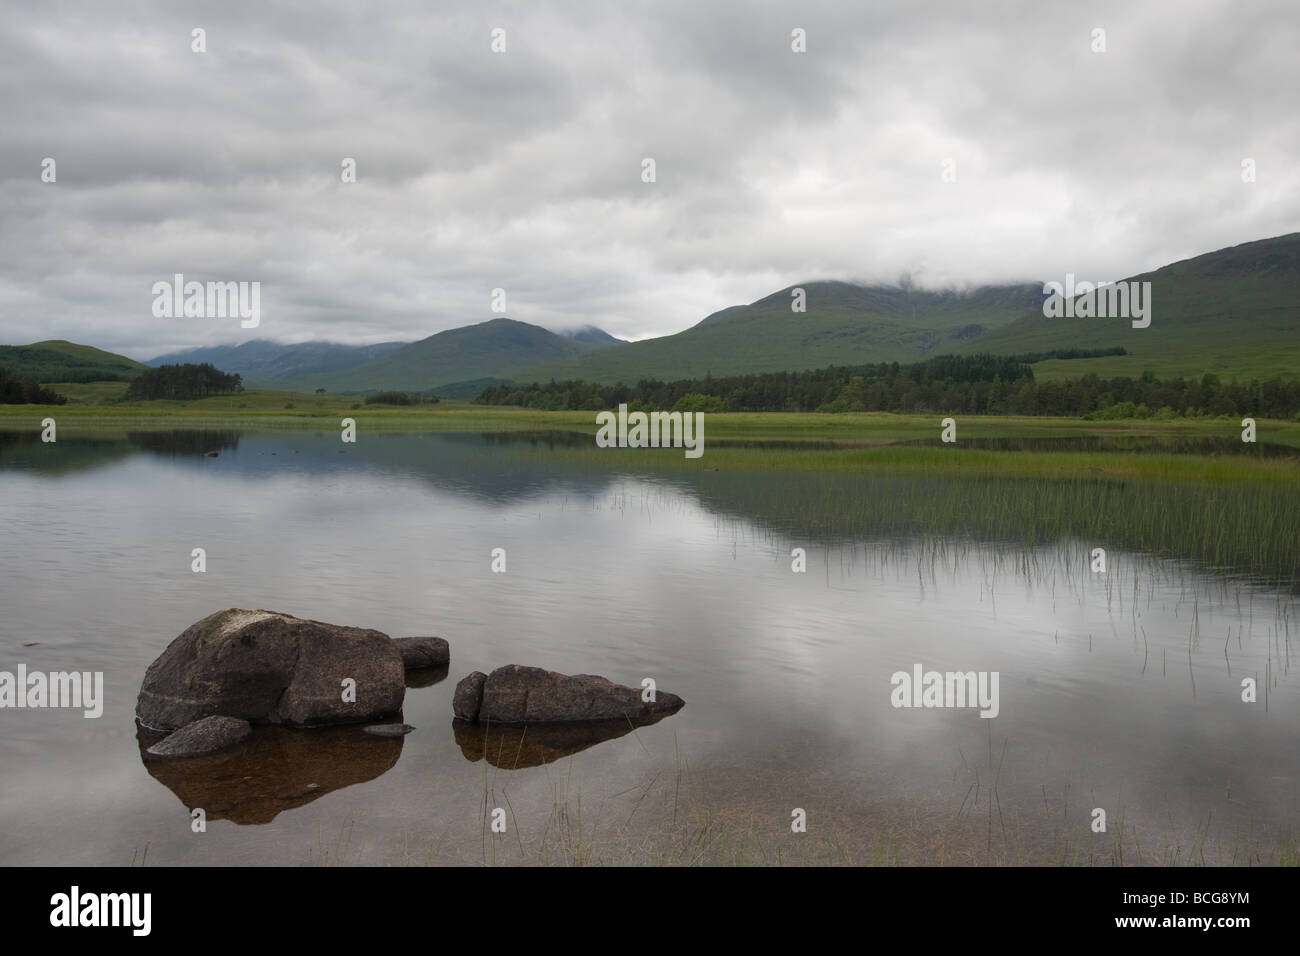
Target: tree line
[[183, 382], [973, 385], [763, 391], [399, 398], [16, 391]]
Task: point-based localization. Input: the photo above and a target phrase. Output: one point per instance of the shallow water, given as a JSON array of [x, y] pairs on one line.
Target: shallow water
[[1120, 691]]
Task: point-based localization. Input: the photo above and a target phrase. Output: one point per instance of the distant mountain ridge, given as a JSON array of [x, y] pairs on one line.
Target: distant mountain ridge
[[494, 349], [1233, 312], [844, 324], [592, 335], [261, 360]]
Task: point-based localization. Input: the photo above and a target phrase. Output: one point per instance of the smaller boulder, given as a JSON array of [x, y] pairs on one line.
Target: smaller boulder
[[206, 736], [422, 652], [530, 695], [469, 693]]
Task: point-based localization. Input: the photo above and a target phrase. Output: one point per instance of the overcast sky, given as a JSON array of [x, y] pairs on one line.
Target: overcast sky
[[522, 170]]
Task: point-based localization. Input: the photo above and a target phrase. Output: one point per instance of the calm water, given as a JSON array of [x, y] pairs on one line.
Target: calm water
[[1119, 691]]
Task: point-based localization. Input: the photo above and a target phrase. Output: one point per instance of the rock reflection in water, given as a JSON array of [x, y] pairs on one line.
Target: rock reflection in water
[[426, 676], [276, 769], [185, 442], [516, 746]]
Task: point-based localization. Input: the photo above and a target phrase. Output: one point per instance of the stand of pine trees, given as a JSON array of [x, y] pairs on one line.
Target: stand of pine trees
[[972, 385], [183, 382], [14, 391]]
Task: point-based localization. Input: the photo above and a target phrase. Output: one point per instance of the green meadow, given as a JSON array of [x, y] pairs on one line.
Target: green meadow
[[859, 438]]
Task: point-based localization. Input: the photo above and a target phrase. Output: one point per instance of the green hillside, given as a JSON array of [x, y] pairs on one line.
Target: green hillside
[[1234, 312], [493, 349], [59, 361], [845, 324]]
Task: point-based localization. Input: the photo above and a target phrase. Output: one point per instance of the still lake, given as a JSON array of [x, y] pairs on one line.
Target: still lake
[[1119, 691]]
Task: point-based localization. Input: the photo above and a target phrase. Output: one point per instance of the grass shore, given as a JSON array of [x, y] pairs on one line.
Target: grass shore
[[275, 410], [802, 442]]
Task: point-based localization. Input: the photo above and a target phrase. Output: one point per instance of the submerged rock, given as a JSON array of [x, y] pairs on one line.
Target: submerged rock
[[388, 730], [206, 736], [268, 667], [531, 695], [422, 652]]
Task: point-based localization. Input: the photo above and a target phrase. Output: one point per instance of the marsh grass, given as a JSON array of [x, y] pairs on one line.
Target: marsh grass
[[266, 410], [336, 849], [1231, 528]]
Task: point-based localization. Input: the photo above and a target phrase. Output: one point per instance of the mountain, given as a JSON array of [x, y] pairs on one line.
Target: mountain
[[592, 335], [261, 360], [714, 316], [845, 324], [489, 350], [59, 361], [1234, 312]]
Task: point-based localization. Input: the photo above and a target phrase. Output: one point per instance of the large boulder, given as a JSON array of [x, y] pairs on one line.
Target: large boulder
[[271, 668], [421, 652], [207, 736], [530, 695]]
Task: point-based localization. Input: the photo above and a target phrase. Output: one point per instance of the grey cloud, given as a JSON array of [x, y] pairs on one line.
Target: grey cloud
[[522, 170]]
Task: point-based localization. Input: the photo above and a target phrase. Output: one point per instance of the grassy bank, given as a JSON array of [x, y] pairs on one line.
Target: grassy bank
[[90, 406], [765, 441]]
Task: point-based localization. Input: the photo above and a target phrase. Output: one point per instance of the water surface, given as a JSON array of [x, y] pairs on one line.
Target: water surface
[[1119, 691]]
